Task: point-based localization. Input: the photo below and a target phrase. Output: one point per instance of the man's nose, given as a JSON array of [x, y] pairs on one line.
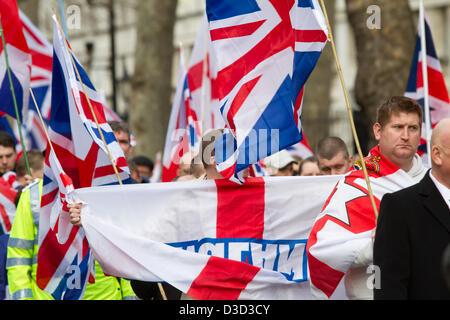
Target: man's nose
[[405, 134]]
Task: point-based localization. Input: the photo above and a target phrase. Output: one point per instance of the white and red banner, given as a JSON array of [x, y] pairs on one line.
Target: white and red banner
[[344, 226], [212, 239]]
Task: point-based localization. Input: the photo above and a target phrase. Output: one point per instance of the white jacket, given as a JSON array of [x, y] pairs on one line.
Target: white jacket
[[358, 278]]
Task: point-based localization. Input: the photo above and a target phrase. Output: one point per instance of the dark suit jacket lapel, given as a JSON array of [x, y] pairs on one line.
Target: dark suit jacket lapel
[[433, 201]]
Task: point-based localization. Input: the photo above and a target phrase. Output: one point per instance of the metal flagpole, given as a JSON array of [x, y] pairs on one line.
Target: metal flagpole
[[349, 110], [423, 46], [19, 123]]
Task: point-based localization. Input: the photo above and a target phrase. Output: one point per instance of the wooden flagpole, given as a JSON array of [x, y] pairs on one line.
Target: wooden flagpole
[[349, 110], [19, 123], [42, 121]]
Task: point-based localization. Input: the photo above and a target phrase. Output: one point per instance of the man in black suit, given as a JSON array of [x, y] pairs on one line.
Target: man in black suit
[[413, 231]]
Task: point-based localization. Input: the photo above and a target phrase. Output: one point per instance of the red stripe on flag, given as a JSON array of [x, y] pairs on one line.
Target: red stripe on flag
[[32, 34], [310, 36], [241, 30], [279, 38], [38, 78], [50, 255], [195, 76], [240, 209], [41, 60], [222, 279], [239, 100], [5, 218], [49, 197], [436, 83], [97, 107]]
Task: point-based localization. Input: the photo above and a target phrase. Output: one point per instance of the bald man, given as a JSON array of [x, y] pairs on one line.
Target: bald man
[[413, 231]]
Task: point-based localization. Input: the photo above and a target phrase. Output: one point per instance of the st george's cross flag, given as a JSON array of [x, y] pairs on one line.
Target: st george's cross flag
[[438, 97], [78, 158], [19, 59], [265, 50], [212, 239]]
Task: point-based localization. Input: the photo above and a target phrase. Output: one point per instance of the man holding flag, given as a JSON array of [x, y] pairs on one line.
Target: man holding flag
[[340, 243]]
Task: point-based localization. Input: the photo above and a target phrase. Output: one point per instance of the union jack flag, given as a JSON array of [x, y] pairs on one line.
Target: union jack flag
[[265, 51], [19, 58], [182, 135], [78, 159], [202, 75], [197, 108], [439, 101], [41, 78]]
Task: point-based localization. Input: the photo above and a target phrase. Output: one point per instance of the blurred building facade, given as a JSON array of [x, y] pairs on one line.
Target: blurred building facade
[[89, 23]]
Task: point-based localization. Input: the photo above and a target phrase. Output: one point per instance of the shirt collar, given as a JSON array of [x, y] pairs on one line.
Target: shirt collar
[[443, 190]]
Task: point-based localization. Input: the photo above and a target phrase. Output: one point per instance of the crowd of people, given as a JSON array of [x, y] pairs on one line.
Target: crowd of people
[[408, 243]]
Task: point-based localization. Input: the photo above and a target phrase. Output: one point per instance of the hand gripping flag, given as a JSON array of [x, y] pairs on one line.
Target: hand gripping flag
[[19, 62], [344, 226], [438, 97], [210, 239], [265, 50], [78, 159]]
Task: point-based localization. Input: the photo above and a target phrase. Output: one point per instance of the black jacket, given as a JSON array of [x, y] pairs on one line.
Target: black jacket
[[412, 233]]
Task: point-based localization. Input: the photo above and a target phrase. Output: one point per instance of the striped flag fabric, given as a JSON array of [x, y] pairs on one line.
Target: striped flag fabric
[[438, 97], [19, 58], [78, 159], [227, 241], [265, 51], [7, 208], [202, 76], [179, 138], [41, 64], [40, 82]]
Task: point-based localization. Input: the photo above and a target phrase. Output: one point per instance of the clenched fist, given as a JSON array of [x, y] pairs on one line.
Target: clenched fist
[[75, 214]]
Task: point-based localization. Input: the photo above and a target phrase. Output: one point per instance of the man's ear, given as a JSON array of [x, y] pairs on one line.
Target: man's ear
[[377, 131], [436, 155]]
